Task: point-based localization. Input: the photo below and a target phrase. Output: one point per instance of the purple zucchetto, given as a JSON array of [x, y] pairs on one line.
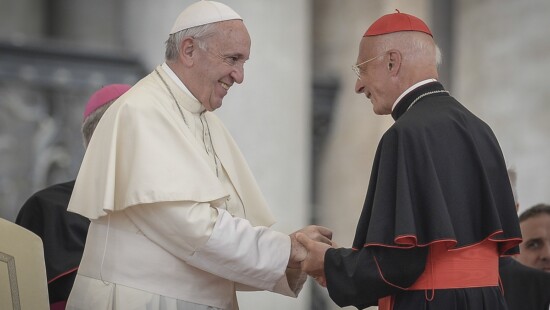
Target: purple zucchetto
[[103, 96]]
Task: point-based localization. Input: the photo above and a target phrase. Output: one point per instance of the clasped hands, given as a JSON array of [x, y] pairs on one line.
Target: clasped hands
[[308, 247]]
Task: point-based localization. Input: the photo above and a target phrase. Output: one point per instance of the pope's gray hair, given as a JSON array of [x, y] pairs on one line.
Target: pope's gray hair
[[173, 43], [90, 123]]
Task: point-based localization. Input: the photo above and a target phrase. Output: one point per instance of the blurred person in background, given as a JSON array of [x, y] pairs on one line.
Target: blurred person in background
[[45, 213], [535, 229]]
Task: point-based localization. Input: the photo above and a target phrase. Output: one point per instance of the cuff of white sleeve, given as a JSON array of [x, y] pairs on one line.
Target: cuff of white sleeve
[[237, 251], [291, 283]]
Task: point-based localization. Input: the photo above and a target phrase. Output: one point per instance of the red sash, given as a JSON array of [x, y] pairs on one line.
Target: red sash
[[474, 266]]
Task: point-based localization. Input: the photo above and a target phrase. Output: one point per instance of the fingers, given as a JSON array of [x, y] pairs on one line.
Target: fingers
[[312, 234], [313, 263], [319, 230], [321, 281], [297, 252], [325, 232], [324, 239], [304, 240], [318, 233], [322, 234]]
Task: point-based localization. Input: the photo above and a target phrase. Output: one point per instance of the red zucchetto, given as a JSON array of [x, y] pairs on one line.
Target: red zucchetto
[[397, 22]]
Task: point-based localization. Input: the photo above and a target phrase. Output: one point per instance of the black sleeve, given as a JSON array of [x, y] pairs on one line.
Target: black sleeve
[[30, 216], [360, 278]]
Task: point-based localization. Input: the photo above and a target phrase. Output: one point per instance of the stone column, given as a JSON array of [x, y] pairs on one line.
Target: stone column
[[21, 18], [20, 21], [95, 25], [269, 116], [501, 75]]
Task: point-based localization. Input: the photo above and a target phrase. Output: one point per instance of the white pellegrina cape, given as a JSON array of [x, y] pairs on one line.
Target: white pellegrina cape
[[145, 153]]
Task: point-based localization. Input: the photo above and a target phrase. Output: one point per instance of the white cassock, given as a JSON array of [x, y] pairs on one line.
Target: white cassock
[[178, 221]]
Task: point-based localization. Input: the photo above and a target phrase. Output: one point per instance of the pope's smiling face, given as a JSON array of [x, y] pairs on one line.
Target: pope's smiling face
[[221, 63]]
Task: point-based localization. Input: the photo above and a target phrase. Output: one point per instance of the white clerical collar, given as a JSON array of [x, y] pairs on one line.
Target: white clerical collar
[[176, 80], [195, 109], [411, 89]]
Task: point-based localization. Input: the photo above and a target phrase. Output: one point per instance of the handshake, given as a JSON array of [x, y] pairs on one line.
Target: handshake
[[308, 247]]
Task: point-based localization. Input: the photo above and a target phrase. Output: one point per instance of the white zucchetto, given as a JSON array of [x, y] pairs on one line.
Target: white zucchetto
[[201, 13]]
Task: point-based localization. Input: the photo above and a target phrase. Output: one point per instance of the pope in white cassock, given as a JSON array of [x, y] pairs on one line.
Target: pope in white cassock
[[177, 219]]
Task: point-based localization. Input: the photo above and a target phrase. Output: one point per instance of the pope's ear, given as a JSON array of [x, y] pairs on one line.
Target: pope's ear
[[187, 50]]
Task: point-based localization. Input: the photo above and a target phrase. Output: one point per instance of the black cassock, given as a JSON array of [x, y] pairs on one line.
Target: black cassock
[[63, 234], [438, 176]]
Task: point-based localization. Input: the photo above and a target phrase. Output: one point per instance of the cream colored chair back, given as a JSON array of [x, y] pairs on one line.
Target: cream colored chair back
[[23, 284]]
